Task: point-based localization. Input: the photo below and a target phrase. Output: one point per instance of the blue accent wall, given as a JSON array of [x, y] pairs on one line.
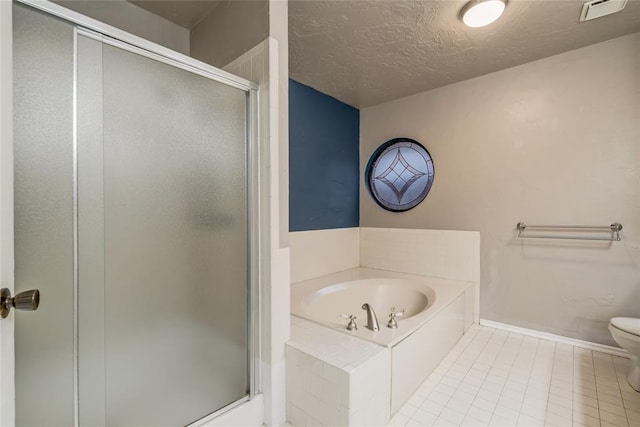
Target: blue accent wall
[[324, 141]]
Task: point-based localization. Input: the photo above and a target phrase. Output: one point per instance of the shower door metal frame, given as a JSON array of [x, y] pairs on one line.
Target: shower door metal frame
[[110, 35], [186, 62]]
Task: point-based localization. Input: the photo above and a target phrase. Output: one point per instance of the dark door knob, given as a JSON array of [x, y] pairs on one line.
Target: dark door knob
[[27, 300]]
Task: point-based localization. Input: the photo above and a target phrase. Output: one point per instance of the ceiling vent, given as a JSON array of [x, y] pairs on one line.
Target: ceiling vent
[[597, 8]]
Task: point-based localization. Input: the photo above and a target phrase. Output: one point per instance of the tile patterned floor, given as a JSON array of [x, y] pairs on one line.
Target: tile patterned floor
[[497, 378]]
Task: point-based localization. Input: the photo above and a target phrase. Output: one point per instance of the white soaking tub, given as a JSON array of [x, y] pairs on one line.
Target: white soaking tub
[[437, 312]]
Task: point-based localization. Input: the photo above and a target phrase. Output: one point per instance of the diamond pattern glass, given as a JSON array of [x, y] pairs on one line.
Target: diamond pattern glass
[[400, 174]]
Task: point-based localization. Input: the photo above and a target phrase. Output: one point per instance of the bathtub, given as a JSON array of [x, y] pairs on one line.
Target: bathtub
[[437, 312], [325, 299]]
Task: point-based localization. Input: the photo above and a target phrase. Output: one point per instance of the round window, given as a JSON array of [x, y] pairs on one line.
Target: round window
[[399, 174]]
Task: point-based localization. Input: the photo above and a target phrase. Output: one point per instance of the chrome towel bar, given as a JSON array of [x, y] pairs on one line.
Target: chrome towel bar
[[614, 229]]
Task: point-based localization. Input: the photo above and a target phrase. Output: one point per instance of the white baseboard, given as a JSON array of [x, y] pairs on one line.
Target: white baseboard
[[615, 351]]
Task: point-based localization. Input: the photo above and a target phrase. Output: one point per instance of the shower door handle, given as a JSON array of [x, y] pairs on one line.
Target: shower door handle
[[27, 300]]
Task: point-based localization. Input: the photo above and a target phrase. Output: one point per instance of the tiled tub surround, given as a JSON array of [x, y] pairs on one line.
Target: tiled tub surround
[[337, 248], [335, 379], [414, 349], [449, 254]]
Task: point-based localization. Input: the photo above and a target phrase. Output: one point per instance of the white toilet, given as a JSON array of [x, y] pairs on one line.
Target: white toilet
[[626, 332]]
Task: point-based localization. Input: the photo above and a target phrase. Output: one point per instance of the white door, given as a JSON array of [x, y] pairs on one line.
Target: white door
[[6, 213]]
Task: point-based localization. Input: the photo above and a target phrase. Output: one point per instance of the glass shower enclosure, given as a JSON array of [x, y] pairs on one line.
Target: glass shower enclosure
[[134, 213]]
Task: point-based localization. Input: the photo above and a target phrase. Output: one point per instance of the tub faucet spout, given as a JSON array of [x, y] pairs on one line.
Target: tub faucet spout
[[372, 320]]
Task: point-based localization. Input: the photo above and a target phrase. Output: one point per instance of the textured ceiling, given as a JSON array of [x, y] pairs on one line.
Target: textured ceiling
[[368, 52], [186, 13]]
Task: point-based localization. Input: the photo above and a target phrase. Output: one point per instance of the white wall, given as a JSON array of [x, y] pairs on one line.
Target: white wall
[[256, 65], [279, 30], [266, 64], [230, 30], [554, 141], [135, 20]]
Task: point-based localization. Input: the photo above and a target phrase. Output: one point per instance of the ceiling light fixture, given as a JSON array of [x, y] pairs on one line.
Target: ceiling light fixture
[[478, 13]]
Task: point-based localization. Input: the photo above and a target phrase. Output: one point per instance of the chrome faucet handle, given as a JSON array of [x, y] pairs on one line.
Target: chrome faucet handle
[[351, 326], [397, 313], [393, 324]]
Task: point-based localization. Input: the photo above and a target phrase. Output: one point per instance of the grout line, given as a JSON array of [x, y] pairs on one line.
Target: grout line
[[552, 357], [528, 380], [593, 365]]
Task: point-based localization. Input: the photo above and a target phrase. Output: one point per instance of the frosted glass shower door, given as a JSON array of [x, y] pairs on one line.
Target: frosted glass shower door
[[162, 226], [131, 206], [43, 217]]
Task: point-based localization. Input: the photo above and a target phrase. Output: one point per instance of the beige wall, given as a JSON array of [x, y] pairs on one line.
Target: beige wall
[[556, 141], [231, 29], [133, 19]]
